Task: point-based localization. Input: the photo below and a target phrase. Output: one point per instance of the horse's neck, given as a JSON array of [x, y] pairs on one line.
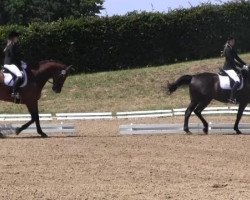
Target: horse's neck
[[245, 76], [43, 74]]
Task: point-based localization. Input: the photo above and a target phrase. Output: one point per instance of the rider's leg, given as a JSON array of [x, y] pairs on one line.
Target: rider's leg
[[15, 89], [14, 69], [236, 85], [233, 92]]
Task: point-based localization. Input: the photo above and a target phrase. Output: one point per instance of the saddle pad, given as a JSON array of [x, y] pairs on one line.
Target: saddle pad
[[9, 80], [225, 83]]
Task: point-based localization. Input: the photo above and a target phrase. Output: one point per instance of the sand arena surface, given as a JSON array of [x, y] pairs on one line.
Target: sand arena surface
[[99, 164]]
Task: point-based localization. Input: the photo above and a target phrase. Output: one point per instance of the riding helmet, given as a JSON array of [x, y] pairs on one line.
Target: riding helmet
[[13, 34]]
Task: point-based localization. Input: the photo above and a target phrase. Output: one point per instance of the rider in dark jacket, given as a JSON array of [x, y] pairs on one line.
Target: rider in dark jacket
[[12, 61], [232, 61]]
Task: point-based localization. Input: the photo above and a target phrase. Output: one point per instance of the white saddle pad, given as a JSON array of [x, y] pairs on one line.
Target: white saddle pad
[[225, 83], [9, 80]]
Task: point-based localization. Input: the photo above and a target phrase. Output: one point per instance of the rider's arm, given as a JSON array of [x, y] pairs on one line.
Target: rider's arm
[[11, 52], [228, 55], [239, 62]]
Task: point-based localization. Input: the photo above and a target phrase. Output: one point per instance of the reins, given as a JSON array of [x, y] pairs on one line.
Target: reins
[[63, 73], [50, 82]]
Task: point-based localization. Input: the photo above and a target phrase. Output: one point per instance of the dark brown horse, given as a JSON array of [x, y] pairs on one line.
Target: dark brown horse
[[31, 93], [205, 87]]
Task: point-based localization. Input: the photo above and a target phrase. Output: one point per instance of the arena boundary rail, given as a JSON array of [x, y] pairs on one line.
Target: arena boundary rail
[[151, 129]]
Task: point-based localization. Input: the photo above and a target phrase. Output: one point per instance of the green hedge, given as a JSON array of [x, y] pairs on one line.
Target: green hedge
[[137, 39]]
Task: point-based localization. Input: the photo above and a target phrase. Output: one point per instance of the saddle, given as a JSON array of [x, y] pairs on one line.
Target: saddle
[[226, 82]]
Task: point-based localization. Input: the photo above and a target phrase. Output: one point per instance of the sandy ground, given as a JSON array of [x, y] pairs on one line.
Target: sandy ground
[[98, 163]]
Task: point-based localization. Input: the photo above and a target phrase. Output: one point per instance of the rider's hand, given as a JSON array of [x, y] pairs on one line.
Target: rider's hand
[[245, 67], [24, 65]]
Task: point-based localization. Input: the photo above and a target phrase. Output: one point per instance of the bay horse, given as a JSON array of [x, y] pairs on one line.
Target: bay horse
[[205, 87], [31, 93]]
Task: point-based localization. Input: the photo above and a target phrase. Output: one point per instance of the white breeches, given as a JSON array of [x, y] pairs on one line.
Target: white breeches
[[14, 69], [233, 75]]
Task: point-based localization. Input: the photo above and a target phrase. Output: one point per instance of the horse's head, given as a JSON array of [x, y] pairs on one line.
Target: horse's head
[[59, 78], [50, 69]]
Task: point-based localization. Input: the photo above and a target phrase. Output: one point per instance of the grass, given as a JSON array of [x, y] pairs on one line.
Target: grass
[[126, 90]]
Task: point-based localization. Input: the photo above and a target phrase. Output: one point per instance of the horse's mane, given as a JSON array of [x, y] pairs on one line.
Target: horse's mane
[[42, 64], [48, 61]]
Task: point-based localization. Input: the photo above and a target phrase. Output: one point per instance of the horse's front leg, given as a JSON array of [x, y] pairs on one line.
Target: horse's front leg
[[25, 126], [38, 126], [241, 109], [33, 109]]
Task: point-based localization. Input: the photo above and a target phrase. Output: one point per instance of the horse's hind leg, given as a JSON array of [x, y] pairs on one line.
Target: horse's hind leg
[[188, 112], [25, 126], [241, 109], [198, 111]]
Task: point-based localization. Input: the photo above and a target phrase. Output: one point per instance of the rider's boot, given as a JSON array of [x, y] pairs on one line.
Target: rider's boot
[[233, 92], [15, 90]]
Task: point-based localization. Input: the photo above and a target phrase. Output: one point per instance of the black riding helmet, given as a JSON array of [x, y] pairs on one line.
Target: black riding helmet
[[13, 34], [230, 38]]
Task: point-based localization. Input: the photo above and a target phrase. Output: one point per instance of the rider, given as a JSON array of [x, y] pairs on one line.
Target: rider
[[231, 61], [12, 61]]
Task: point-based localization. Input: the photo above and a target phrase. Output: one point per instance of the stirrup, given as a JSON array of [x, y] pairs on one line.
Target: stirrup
[[233, 101], [16, 96]]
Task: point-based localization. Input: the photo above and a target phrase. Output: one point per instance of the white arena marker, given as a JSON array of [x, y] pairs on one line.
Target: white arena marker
[[141, 129], [9, 129], [151, 129]]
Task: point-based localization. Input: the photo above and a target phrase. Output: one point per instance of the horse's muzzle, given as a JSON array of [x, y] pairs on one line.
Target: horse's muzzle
[[56, 90]]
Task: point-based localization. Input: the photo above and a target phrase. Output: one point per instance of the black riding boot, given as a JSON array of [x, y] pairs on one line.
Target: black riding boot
[[233, 92], [15, 92]]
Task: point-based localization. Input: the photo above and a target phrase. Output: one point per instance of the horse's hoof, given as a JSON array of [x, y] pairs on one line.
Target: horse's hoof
[[238, 132], [205, 130], [2, 136], [187, 132], [18, 131], [43, 135]]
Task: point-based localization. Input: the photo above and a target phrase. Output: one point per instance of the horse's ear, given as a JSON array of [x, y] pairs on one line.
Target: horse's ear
[[68, 68]]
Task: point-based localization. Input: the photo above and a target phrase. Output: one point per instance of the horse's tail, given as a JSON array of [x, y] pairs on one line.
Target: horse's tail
[[184, 80]]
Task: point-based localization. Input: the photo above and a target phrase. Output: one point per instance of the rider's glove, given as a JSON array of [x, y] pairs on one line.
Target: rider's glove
[[24, 64], [245, 67]]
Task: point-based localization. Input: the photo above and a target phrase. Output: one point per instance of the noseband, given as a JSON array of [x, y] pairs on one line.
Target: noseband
[[61, 75]]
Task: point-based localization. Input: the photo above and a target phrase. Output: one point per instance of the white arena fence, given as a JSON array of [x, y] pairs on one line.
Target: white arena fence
[[23, 117], [122, 115], [83, 116], [10, 129]]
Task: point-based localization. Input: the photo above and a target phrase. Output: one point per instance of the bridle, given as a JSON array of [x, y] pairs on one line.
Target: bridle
[[63, 74]]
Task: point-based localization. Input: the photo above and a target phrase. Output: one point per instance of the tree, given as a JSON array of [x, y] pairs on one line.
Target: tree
[[26, 11], [3, 15]]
